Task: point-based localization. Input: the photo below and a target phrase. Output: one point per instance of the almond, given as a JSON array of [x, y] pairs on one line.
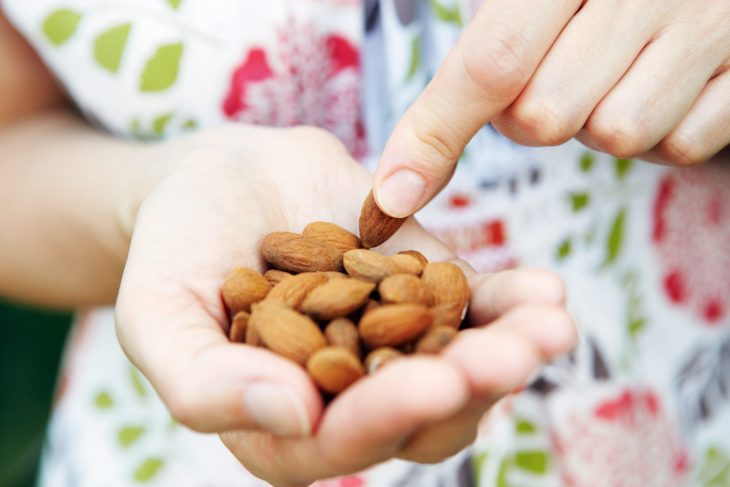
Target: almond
[[239, 325], [403, 288], [435, 339], [334, 368], [368, 265], [448, 315], [372, 304], [379, 357], [447, 283], [252, 336], [293, 289], [407, 264], [295, 253], [286, 332], [243, 287], [332, 234], [275, 276], [375, 226], [394, 324], [342, 332], [337, 298], [334, 275], [415, 253]]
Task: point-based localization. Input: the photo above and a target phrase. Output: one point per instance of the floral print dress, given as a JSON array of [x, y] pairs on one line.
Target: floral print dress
[[644, 400]]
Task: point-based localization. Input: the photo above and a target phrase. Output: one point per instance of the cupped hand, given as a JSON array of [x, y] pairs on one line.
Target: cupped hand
[[224, 191], [646, 78]]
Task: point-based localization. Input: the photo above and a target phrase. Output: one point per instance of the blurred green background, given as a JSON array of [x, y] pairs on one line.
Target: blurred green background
[[31, 343]]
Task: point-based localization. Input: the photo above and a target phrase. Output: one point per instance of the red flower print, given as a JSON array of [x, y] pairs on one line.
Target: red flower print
[[307, 78], [691, 231], [622, 441]]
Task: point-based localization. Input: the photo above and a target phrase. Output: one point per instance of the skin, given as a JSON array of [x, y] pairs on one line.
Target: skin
[[156, 227], [647, 78]]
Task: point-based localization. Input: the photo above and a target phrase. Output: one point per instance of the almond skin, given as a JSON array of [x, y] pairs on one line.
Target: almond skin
[[293, 289], [368, 265], [447, 283], [435, 339], [450, 315], [334, 368], [275, 276], [342, 332], [379, 357], [404, 288], [243, 287], [295, 253], [286, 332], [239, 326], [415, 253], [252, 336], [337, 298], [407, 264], [335, 275], [394, 324], [332, 234], [375, 226]]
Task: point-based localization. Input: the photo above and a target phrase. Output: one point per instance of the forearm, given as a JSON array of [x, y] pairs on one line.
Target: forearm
[[68, 195]]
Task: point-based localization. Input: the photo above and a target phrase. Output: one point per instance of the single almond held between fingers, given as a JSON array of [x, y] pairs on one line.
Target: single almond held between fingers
[[407, 264], [394, 324], [404, 288], [275, 276], [379, 357], [375, 226], [435, 339], [342, 332], [286, 332], [293, 289], [332, 234], [336, 298], [334, 368], [447, 283], [368, 265], [296, 253], [239, 326], [243, 287]]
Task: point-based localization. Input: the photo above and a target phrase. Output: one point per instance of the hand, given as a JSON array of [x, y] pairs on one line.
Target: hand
[[648, 78], [231, 187]]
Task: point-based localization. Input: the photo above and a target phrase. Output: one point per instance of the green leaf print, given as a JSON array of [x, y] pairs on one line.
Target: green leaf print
[[147, 470], [615, 239], [623, 166], [579, 201], [564, 249], [478, 461], [533, 461], [109, 47], [137, 383], [103, 400], [160, 123], [525, 427], [452, 15], [586, 162], [715, 469], [161, 70], [175, 4], [60, 25], [189, 124], [415, 58], [129, 434]]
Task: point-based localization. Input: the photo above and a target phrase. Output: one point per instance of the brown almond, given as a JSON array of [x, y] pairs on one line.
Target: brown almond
[[407, 264], [292, 290], [334, 368], [243, 287], [252, 336], [450, 315], [371, 305], [379, 357], [375, 226], [335, 275], [435, 339], [342, 332], [239, 326], [404, 288], [447, 283], [394, 324], [275, 276], [296, 253], [368, 265], [415, 253], [286, 332], [337, 298], [332, 234]]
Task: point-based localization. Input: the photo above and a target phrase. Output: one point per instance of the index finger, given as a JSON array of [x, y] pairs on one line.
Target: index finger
[[485, 72]]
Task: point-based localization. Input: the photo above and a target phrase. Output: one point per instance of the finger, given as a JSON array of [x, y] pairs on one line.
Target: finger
[[488, 68], [703, 132], [586, 61], [366, 425], [646, 104]]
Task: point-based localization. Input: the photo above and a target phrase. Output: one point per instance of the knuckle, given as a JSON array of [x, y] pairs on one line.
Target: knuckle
[[543, 122], [497, 64], [680, 150], [619, 137], [444, 151]]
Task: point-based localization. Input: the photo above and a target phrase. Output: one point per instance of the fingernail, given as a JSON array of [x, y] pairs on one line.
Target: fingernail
[[400, 194], [276, 410]]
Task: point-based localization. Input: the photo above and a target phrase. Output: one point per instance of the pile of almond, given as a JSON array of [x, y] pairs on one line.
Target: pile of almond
[[342, 310]]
